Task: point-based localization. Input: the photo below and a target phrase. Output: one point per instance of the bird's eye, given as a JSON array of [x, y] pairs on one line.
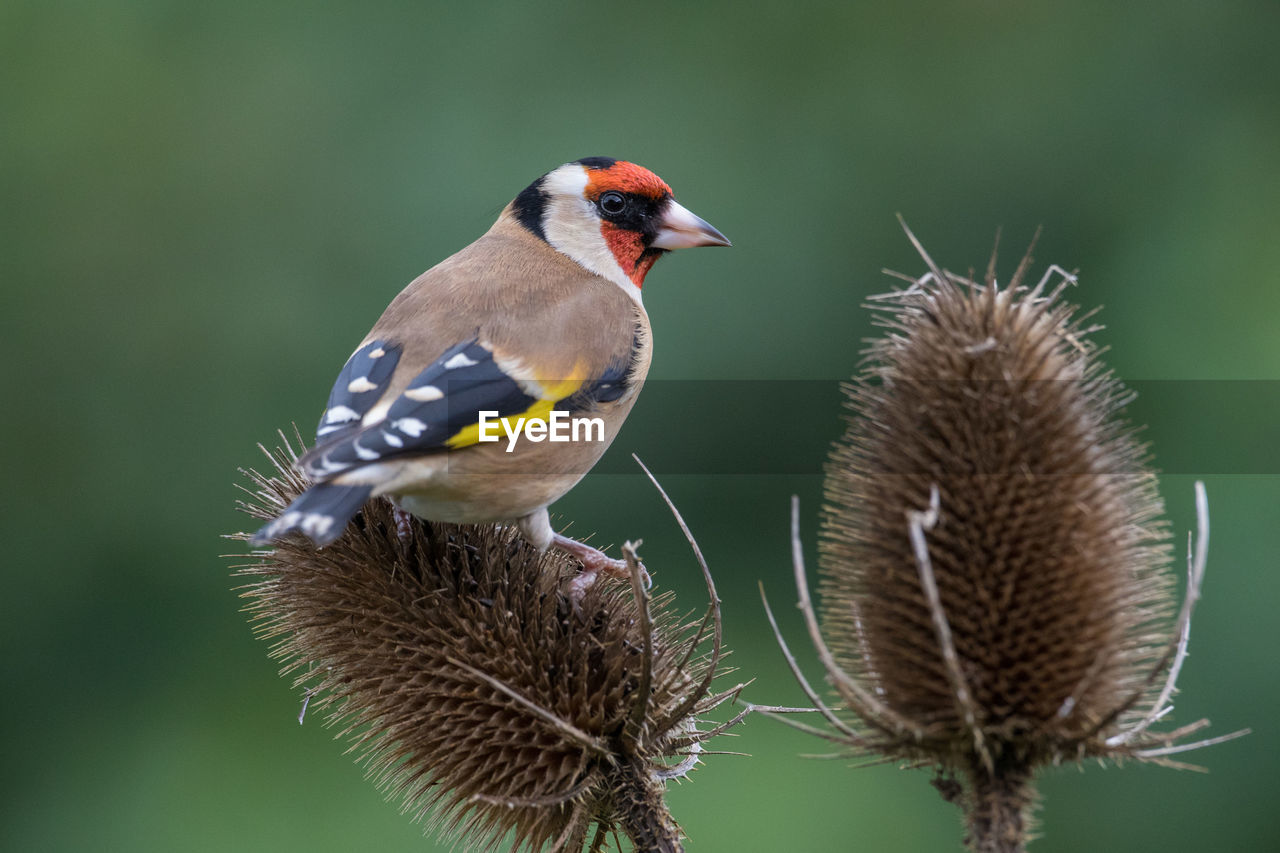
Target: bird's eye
[[612, 203]]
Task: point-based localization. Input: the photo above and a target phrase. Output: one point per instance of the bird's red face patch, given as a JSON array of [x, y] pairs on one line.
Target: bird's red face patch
[[630, 251], [625, 235]]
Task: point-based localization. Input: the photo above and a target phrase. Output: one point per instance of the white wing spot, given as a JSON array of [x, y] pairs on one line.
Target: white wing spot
[[287, 521], [360, 385], [325, 466], [425, 393], [363, 452], [377, 413], [392, 439], [316, 525], [378, 353], [459, 360], [411, 427], [341, 415]]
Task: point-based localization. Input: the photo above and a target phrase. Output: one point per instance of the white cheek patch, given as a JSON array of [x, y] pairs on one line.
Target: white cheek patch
[[573, 227], [569, 180]]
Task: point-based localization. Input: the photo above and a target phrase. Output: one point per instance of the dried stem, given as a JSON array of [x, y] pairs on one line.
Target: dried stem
[[642, 810], [998, 810]]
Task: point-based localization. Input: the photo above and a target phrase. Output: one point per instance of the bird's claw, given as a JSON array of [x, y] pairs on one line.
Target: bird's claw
[[404, 524], [594, 563]]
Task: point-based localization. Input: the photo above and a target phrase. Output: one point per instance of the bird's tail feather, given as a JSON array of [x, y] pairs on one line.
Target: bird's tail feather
[[320, 513]]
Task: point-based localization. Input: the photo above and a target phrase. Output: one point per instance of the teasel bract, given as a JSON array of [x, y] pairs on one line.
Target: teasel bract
[[473, 689], [996, 591]]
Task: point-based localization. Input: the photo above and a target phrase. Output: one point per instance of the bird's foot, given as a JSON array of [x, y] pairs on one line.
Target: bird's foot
[[594, 563], [404, 524]]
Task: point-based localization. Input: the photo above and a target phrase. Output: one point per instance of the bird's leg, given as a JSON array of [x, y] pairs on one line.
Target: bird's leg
[[536, 528], [594, 562]]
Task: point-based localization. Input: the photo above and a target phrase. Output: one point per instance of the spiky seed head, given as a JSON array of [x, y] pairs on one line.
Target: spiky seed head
[[1048, 549], [468, 684], [994, 560], [994, 563]]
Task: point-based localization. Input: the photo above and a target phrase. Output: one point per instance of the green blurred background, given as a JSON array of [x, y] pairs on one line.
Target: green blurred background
[[206, 205]]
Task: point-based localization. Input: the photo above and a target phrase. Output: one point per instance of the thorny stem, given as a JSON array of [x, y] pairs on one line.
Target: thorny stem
[[597, 842], [642, 811], [997, 809]]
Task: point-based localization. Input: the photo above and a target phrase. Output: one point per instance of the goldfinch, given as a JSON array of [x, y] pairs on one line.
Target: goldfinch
[[449, 406]]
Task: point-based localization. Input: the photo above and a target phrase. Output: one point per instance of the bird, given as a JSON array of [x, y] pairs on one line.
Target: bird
[[540, 319]]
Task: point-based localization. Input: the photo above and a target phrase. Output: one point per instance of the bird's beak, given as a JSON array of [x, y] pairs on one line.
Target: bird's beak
[[681, 229]]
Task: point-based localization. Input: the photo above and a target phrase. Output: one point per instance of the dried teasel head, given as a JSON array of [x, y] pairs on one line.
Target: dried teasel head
[[473, 690], [996, 592]]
